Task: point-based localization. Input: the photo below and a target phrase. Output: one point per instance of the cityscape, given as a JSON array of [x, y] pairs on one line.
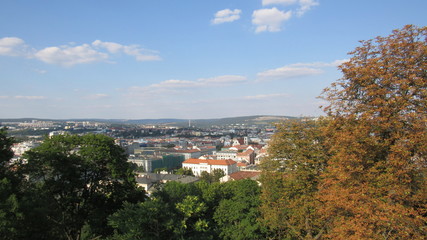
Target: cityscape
[[165, 148], [213, 120]]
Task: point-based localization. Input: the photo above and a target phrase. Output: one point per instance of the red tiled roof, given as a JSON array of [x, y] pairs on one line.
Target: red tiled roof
[[258, 146], [241, 164], [246, 153], [207, 147], [187, 151], [243, 175], [209, 161]]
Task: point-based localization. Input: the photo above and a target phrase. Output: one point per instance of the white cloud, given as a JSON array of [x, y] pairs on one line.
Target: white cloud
[[112, 47], [201, 82], [269, 19], [306, 5], [288, 72], [174, 84], [221, 80], [69, 56], [96, 96], [298, 70], [335, 63], [30, 97], [12, 46], [282, 2], [178, 86], [139, 53], [226, 15], [303, 5], [40, 71], [265, 96]]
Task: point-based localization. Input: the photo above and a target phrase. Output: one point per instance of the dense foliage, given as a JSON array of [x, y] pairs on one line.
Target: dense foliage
[[361, 172], [66, 188], [290, 180], [375, 184], [9, 190], [193, 211], [82, 180]]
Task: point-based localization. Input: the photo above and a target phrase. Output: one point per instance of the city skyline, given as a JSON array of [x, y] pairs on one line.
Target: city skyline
[[190, 60]]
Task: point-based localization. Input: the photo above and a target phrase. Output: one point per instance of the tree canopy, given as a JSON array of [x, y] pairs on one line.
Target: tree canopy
[[10, 182], [361, 172], [290, 179], [81, 180], [193, 211], [375, 183]]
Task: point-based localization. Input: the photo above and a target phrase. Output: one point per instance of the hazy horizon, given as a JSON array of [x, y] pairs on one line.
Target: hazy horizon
[[166, 118]]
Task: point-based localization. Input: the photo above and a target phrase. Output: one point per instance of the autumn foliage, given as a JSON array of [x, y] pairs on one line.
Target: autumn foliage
[[374, 182], [290, 178], [375, 186]]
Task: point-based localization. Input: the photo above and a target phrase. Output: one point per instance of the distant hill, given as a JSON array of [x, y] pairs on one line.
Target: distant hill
[[247, 120]]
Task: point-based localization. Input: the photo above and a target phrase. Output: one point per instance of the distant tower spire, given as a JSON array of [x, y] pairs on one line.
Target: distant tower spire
[[189, 123]]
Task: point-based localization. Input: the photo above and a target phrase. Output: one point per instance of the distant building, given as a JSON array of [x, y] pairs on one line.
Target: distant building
[[151, 163], [239, 141], [241, 148], [192, 153], [207, 150], [253, 175], [20, 148], [246, 156], [227, 154], [263, 153], [207, 165], [56, 133], [148, 180], [242, 166]]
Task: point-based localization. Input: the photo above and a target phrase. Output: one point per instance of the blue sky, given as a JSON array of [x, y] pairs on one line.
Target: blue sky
[[182, 59]]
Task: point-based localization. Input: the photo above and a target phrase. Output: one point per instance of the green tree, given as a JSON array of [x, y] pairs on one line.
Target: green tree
[[290, 180], [212, 177], [184, 171], [10, 213], [20, 217], [238, 212], [144, 220], [158, 170], [81, 180], [375, 183], [206, 177], [217, 174], [174, 212], [178, 198], [136, 168], [191, 210]]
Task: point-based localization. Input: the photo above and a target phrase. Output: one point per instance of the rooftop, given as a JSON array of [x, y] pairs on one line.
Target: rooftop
[[209, 161]]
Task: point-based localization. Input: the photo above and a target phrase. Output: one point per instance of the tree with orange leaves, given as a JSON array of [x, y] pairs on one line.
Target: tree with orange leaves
[[290, 178], [375, 184]]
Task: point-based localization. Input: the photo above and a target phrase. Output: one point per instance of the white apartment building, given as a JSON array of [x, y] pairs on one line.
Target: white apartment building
[[193, 153], [226, 154], [208, 165], [20, 148], [146, 163]]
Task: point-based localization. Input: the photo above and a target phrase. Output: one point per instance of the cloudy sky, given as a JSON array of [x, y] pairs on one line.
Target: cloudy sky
[[137, 59]]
